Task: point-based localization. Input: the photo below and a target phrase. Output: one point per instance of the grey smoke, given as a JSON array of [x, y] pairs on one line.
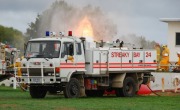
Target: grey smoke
[[134, 41], [64, 17]]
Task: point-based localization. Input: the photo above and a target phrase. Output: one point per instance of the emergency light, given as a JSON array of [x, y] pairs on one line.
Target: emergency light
[[50, 33], [47, 33], [61, 33], [70, 33]]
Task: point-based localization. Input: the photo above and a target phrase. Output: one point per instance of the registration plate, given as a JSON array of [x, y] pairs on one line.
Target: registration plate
[[36, 80]]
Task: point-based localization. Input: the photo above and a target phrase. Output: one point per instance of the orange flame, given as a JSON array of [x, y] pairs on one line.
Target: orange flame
[[85, 28]]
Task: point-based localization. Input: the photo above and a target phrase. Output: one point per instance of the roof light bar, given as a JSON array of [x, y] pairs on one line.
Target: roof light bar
[[61, 34]]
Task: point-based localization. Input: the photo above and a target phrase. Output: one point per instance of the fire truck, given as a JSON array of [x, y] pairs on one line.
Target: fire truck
[[8, 56], [77, 67]]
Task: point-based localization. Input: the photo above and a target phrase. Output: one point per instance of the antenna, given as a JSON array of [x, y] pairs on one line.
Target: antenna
[[63, 16]]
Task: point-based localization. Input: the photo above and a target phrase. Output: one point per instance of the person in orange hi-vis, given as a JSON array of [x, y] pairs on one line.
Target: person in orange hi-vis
[[178, 62], [164, 63]]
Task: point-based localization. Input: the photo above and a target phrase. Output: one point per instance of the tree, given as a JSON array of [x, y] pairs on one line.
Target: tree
[[12, 37]]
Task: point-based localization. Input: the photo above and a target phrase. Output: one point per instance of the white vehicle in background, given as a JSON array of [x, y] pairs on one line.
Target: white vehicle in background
[[8, 56], [77, 66]]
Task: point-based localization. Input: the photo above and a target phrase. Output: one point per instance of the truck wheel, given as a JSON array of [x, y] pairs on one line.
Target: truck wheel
[[37, 91], [72, 89], [94, 93], [128, 89]]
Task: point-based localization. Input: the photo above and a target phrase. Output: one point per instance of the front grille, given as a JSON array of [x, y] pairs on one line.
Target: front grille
[[34, 71], [37, 71]]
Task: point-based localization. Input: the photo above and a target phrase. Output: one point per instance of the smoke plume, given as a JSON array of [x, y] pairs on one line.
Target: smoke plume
[[64, 17], [135, 41]]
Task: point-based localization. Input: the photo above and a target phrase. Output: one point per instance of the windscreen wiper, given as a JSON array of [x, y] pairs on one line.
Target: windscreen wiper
[[46, 59]]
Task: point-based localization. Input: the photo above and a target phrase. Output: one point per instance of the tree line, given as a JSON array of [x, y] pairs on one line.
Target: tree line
[[12, 37]]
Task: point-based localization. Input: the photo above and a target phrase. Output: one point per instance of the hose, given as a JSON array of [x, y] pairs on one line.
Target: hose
[[153, 91], [23, 87]]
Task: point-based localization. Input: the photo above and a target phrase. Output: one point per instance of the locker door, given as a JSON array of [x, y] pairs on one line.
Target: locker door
[[150, 60], [138, 60], [126, 61], [103, 62], [96, 62]]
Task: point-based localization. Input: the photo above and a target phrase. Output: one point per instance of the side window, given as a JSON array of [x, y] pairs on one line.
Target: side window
[[67, 49], [78, 49], [178, 39]]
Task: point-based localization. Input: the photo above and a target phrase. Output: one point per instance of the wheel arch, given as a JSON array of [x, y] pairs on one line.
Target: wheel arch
[[118, 79], [75, 74], [79, 75]]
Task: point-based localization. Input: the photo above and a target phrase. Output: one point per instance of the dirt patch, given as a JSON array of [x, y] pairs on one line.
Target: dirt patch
[[8, 105], [163, 94], [65, 108], [169, 94]]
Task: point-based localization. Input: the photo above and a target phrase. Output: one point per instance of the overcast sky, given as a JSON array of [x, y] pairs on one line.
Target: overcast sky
[[139, 17]]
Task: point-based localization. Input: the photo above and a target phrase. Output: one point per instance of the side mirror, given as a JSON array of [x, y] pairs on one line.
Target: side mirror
[[71, 50], [13, 52], [25, 47]]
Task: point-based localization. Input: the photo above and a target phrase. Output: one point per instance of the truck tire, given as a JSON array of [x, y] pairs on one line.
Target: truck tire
[[37, 91], [72, 89], [94, 93], [128, 89]]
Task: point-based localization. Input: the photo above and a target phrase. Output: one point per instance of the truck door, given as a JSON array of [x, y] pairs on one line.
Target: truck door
[[72, 58], [67, 62], [79, 58]]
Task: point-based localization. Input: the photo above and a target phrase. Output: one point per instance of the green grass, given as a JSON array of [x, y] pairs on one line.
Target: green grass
[[11, 99]]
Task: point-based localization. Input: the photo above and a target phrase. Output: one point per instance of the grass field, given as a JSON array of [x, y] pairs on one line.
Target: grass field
[[17, 100]]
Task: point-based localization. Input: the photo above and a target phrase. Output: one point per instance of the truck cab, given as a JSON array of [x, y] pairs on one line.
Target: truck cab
[[50, 62]]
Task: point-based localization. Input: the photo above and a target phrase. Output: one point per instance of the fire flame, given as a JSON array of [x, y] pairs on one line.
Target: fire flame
[[85, 28]]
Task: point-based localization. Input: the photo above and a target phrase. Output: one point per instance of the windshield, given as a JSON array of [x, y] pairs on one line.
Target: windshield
[[43, 49]]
